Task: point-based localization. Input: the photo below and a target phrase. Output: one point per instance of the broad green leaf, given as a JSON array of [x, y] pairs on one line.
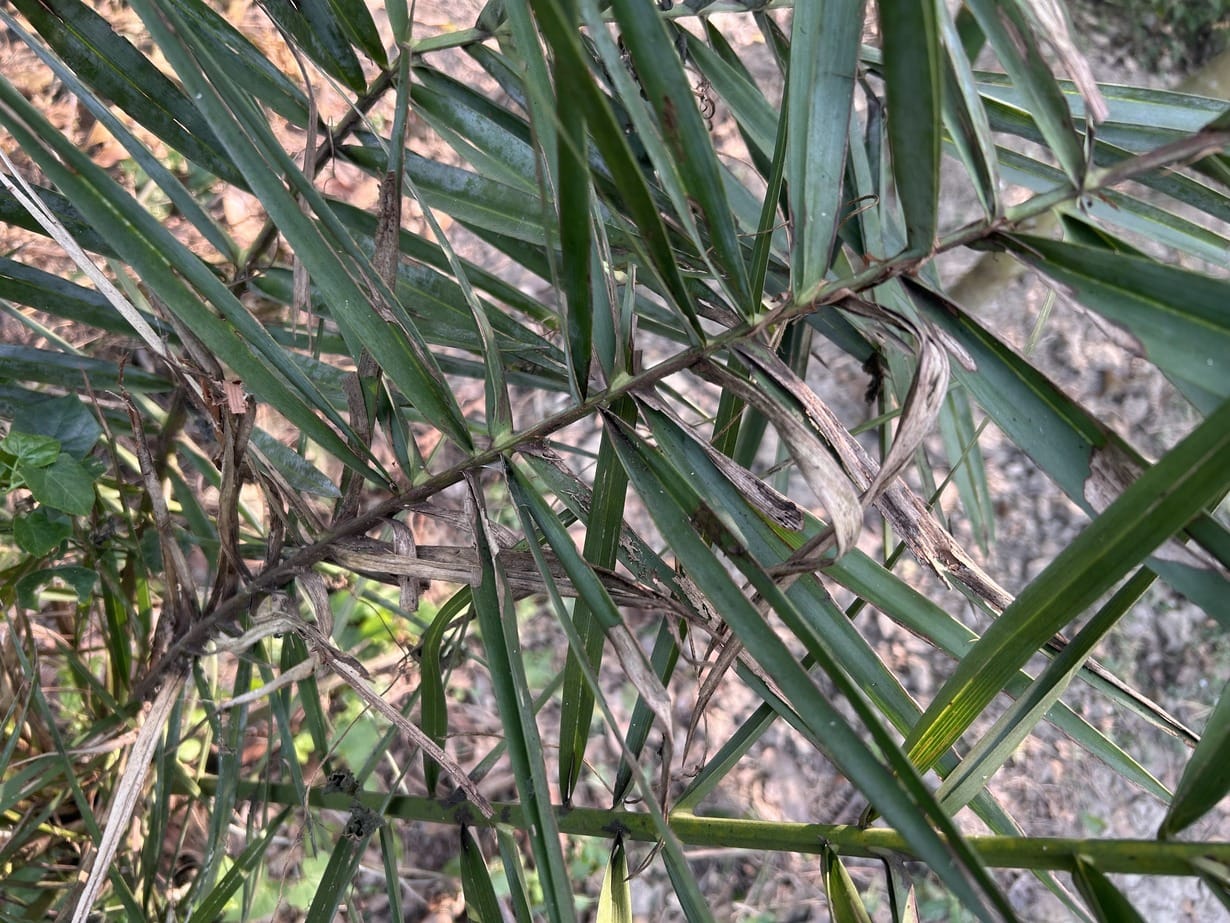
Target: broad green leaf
[[399, 19], [80, 579], [437, 304], [573, 491], [63, 485], [911, 66], [1181, 185], [762, 250], [41, 531], [1052, 27], [1204, 781], [641, 561], [917, 614], [902, 894], [31, 450], [526, 77], [495, 385], [824, 42], [1158, 504], [299, 473], [749, 523], [65, 419]]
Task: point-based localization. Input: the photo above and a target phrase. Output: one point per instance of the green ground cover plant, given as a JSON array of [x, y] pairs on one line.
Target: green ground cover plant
[[284, 508]]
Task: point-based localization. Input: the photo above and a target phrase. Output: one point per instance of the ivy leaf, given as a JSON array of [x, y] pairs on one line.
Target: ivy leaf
[[80, 579], [41, 532], [31, 450], [300, 473], [64, 484], [64, 418]]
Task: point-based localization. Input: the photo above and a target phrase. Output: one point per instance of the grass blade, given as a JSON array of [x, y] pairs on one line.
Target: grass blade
[[498, 623], [966, 462], [482, 906], [966, 118], [212, 904], [1204, 781], [1017, 48], [123, 75], [318, 32], [824, 44], [610, 140], [673, 503], [246, 135], [1106, 901], [601, 549], [911, 63], [157, 256], [1074, 448], [534, 512], [356, 21], [687, 141], [1000, 742], [844, 902], [615, 900], [1187, 338], [343, 864], [14, 212], [1159, 503], [575, 237], [153, 167]]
